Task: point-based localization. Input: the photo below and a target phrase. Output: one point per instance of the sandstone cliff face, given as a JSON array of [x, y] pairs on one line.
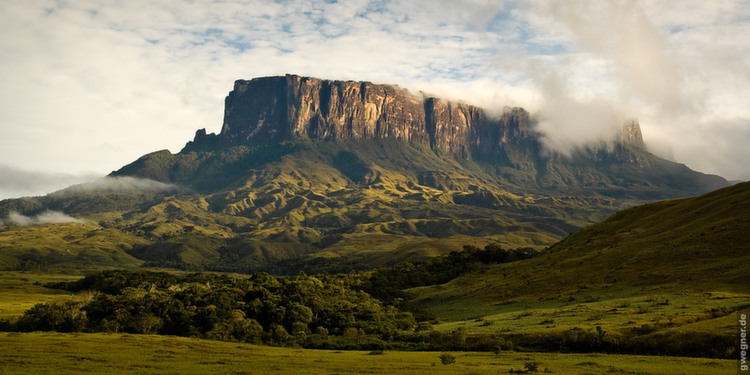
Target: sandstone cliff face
[[294, 107], [272, 109], [630, 134]]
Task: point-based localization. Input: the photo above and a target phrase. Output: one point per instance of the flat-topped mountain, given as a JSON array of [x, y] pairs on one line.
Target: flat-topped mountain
[[294, 107], [348, 174]]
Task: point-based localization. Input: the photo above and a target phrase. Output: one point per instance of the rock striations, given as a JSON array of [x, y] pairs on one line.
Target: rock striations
[[630, 134], [292, 107], [272, 109]]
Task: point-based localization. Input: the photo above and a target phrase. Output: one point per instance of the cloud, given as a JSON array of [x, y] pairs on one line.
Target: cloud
[[117, 184], [682, 75], [94, 85], [46, 217], [17, 182], [622, 33], [568, 122], [91, 86]]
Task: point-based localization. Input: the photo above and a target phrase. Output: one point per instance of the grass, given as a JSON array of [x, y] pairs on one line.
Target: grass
[[55, 353], [694, 312], [677, 265], [21, 290], [66, 247]]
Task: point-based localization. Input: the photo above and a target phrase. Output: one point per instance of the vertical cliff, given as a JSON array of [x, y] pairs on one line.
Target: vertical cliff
[[294, 107], [630, 134]]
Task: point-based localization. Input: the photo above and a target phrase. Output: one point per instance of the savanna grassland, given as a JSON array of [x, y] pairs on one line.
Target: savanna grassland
[[20, 291], [76, 353]]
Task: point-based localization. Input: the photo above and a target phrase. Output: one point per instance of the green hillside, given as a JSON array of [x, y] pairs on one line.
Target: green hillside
[[248, 207], [661, 271]]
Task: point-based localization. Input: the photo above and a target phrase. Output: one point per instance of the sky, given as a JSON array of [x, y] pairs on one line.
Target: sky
[[88, 86]]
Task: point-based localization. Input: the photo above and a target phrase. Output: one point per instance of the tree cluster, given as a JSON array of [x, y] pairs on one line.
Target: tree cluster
[[388, 283], [304, 310]]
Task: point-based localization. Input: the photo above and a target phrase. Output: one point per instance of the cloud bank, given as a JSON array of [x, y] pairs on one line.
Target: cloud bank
[[117, 184], [680, 72], [46, 217], [16, 182], [94, 85]]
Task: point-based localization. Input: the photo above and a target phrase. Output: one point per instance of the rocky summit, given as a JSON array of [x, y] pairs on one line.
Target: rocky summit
[[334, 175], [293, 107]]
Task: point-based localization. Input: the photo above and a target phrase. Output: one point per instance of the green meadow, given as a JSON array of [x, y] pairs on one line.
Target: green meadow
[[21, 290], [92, 353]]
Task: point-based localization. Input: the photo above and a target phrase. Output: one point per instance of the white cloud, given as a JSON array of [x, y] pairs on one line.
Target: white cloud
[[16, 182], [46, 217], [684, 74], [117, 184], [92, 85]]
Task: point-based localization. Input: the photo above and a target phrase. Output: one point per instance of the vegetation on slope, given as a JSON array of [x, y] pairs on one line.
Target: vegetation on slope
[[327, 312], [666, 272], [254, 207], [388, 283], [67, 247]]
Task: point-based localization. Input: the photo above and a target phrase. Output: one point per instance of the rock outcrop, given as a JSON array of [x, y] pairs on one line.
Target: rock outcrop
[[630, 134], [273, 109], [294, 107]]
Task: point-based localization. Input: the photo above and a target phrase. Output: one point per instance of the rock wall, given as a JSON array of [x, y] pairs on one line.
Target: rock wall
[[289, 107], [271, 109]]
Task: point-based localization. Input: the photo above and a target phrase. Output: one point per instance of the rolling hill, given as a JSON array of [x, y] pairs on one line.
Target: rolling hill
[[665, 271]]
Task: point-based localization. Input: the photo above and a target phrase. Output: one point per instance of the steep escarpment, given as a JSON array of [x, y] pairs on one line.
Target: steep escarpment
[[293, 107]]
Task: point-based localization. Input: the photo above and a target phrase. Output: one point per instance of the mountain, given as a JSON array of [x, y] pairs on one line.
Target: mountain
[[303, 110], [346, 174]]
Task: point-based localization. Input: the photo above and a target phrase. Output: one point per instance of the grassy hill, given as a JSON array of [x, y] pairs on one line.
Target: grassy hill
[[20, 291], [354, 204], [67, 247], [662, 271]]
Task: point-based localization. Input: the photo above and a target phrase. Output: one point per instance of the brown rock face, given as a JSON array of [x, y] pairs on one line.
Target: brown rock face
[[630, 134], [294, 107]]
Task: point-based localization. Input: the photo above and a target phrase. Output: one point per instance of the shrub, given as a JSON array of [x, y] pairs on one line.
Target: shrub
[[531, 366], [447, 359]]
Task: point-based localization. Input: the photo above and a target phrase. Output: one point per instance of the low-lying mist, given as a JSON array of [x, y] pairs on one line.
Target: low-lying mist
[[117, 184], [46, 217]]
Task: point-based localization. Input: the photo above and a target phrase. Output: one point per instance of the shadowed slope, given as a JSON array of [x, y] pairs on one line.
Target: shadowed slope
[[659, 270]]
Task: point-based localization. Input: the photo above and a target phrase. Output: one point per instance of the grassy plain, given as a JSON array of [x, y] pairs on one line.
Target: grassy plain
[[21, 290], [54, 353]]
